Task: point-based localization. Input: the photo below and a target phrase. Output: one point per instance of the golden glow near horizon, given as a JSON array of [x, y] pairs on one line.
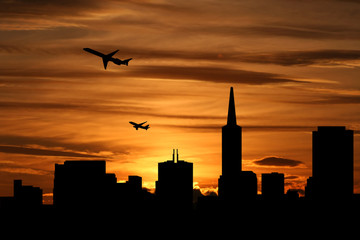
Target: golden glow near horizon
[[294, 65]]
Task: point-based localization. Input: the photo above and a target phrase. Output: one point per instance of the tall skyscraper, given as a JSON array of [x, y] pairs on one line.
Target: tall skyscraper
[[333, 164], [174, 187], [231, 154]]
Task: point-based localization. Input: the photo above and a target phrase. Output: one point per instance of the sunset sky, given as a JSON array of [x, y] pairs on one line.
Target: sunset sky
[[294, 65]]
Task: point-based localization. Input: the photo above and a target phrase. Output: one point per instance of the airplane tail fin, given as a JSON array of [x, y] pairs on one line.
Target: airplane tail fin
[[147, 127], [127, 61]]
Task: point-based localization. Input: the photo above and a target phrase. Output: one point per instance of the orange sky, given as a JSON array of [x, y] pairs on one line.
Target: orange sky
[[294, 65]]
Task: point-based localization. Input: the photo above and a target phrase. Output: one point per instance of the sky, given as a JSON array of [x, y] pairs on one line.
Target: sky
[[294, 65]]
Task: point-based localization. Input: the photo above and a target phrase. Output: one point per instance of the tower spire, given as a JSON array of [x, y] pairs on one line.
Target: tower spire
[[231, 119]]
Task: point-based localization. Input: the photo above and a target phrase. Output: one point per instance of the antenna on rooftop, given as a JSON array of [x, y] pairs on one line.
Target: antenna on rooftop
[[177, 155]]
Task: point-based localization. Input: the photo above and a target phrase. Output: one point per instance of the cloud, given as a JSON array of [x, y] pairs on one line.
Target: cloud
[[16, 8], [89, 107], [209, 74], [100, 108], [284, 58], [278, 128], [245, 128], [59, 142], [326, 57], [331, 99], [199, 73], [54, 34], [290, 58], [16, 169], [302, 31], [44, 152], [278, 162]]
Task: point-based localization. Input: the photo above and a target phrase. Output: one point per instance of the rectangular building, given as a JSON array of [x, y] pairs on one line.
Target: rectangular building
[[333, 163], [81, 183], [174, 187], [272, 186]]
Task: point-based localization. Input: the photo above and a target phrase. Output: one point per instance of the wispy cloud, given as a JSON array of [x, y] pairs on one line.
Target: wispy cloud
[[203, 73], [210, 74], [45, 152], [245, 128], [10, 167]]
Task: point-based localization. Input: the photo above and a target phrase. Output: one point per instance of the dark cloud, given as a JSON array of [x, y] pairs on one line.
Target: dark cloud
[[340, 99], [284, 58], [59, 142], [278, 162], [278, 128], [99, 108], [209, 74], [39, 8], [195, 128], [292, 177], [303, 31], [278, 29], [87, 107], [43, 35], [331, 99], [245, 128], [10, 167], [44, 152], [290, 58], [44, 8]]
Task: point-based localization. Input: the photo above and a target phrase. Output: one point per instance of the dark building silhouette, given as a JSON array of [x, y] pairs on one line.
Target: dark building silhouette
[[82, 184], [231, 154], [174, 187], [85, 184], [333, 164], [27, 196], [247, 188], [272, 186], [292, 195], [128, 195]]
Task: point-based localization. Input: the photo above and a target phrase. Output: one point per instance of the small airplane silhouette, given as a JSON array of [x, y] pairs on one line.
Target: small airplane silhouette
[[108, 57], [140, 125]]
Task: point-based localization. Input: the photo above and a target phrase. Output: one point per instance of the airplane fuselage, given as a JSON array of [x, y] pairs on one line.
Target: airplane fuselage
[[108, 57], [140, 125]]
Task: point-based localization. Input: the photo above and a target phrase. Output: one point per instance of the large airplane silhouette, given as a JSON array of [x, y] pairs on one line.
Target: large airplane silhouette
[[108, 57], [140, 125]]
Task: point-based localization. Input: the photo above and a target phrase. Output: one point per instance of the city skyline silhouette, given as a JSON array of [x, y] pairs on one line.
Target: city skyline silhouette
[[294, 66], [87, 185]]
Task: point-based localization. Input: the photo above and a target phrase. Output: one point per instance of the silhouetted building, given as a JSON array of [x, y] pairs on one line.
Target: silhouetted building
[[247, 188], [27, 196], [292, 195], [333, 164], [309, 188], [129, 194], [82, 184], [272, 186], [231, 154], [174, 187]]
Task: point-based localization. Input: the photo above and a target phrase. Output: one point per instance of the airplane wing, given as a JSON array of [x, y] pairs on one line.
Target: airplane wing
[[94, 52], [112, 54], [142, 123]]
